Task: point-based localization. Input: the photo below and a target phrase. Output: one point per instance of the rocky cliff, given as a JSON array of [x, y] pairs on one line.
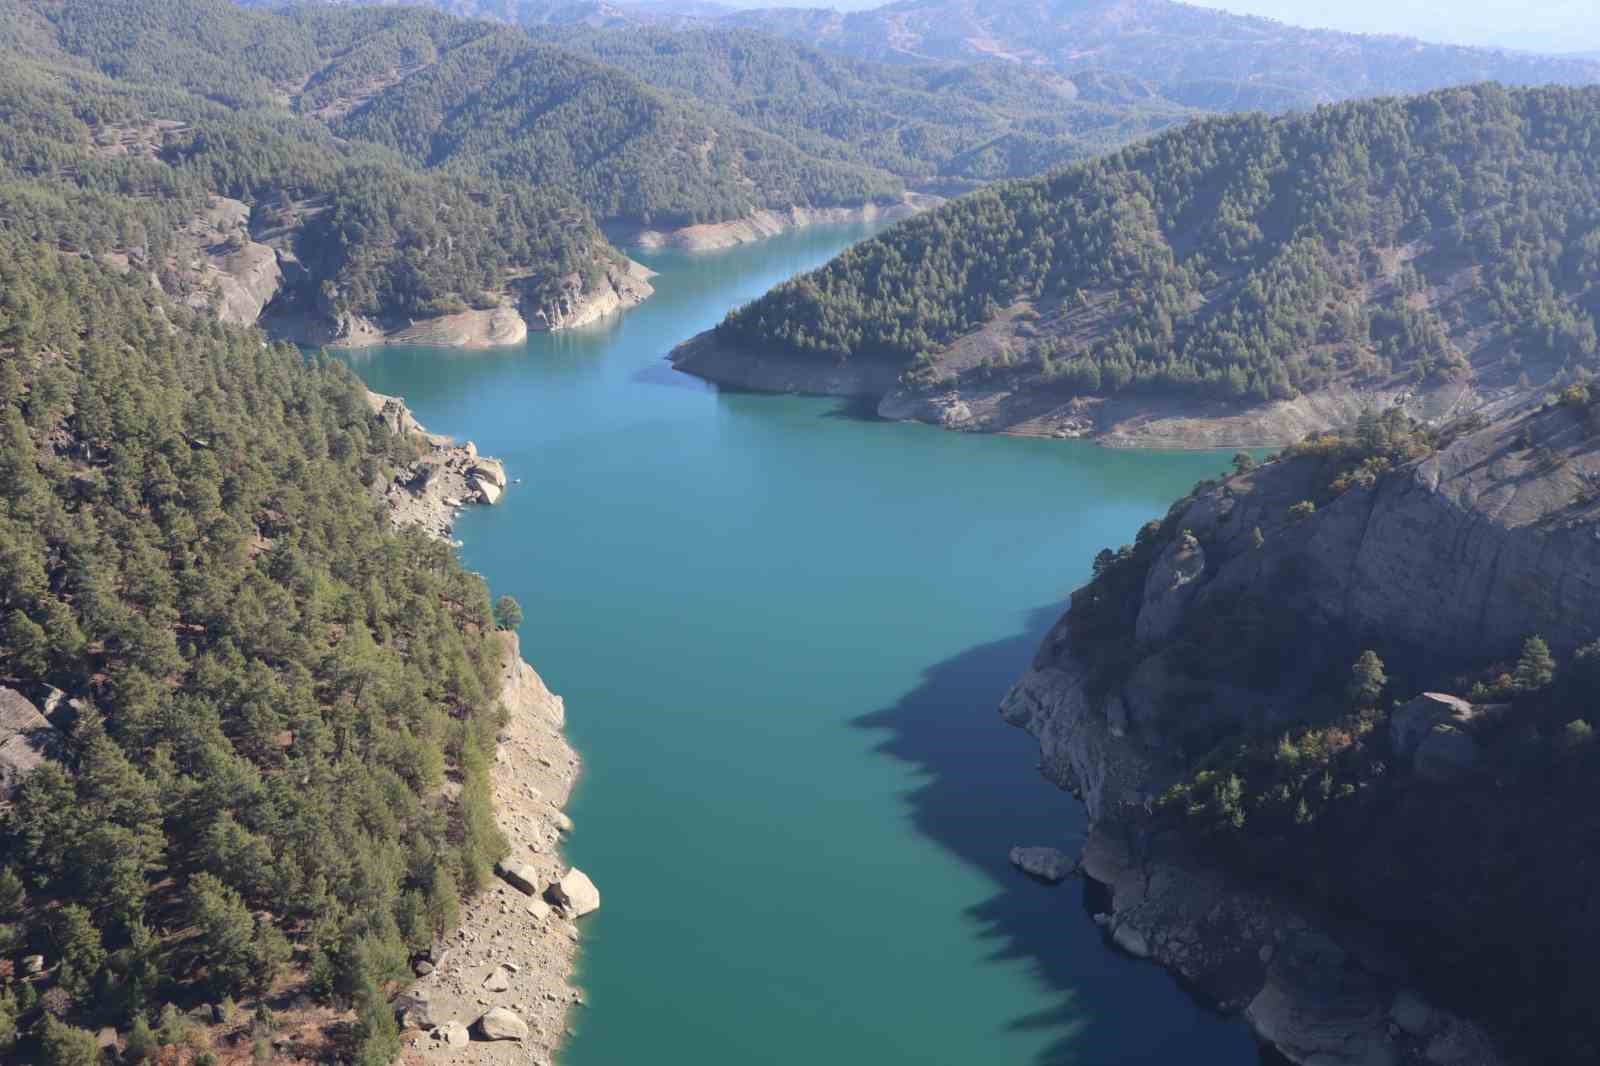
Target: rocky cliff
[[577, 302], [1233, 618]]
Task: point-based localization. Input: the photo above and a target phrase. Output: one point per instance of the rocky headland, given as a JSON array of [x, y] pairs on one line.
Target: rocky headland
[[760, 225], [248, 274], [1450, 559], [429, 491]]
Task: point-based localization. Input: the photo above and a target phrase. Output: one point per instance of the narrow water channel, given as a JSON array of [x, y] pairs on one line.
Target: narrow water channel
[[782, 630]]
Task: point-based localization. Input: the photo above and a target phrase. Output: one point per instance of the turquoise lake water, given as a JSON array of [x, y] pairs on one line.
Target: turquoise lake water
[[782, 630]]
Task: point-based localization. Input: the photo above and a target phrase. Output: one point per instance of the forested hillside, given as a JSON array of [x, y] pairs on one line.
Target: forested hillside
[[1427, 240], [554, 119], [269, 713], [928, 123], [505, 106]]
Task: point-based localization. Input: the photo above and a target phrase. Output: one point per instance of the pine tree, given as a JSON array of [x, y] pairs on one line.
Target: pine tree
[[507, 613], [226, 932], [1536, 668], [67, 1046], [141, 1042], [1367, 680], [82, 953]]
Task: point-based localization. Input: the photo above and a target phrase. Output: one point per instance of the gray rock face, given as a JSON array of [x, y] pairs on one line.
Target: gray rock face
[[1315, 1008], [1172, 583], [575, 894], [26, 736], [498, 1023], [1471, 549], [1466, 553], [1047, 864]]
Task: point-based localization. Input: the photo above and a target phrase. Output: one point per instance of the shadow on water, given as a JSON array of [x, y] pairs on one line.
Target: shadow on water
[[981, 796]]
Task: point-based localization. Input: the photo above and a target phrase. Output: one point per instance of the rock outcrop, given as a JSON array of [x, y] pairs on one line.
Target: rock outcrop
[[1456, 557], [1047, 864], [26, 737], [578, 302], [427, 492]]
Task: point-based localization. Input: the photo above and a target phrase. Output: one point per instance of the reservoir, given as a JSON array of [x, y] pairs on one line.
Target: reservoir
[[782, 628]]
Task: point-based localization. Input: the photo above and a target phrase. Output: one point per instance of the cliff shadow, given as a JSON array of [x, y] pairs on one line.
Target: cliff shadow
[[982, 794]]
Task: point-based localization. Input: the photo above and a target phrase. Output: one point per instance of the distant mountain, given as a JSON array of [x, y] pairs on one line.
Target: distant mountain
[[1196, 55], [1193, 57], [928, 123]]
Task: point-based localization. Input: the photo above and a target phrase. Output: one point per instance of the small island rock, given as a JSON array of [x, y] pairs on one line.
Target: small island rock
[[1047, 864]]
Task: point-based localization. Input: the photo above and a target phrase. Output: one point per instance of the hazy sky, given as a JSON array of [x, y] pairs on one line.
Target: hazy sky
[[1543, 25]]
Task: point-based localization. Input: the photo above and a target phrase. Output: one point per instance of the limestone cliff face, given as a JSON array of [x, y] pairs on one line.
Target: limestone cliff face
[[1458, 556]]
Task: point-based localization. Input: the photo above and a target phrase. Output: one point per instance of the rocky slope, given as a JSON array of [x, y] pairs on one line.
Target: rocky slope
[[514, 953], [1450, 559], [497, 990]]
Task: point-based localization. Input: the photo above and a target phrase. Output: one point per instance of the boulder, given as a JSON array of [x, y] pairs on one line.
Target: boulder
[[520, 876], [25, 738], [575, 894], [33, 965], [562, 822], [539, 909], [1132, 941], [452, 1034], [489, 470], [499, 980], [1047, 864], [422, 967], [488, 492], [500, 1024], [414, 1011], [1410, 724]]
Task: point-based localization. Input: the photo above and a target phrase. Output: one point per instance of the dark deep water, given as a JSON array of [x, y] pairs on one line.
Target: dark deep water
[[782, 631]]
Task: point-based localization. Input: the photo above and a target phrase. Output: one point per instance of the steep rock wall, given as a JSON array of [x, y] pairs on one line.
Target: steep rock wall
[[1458, 556]]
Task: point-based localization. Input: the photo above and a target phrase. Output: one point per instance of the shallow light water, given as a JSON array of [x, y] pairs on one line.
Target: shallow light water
[[782, 630]]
